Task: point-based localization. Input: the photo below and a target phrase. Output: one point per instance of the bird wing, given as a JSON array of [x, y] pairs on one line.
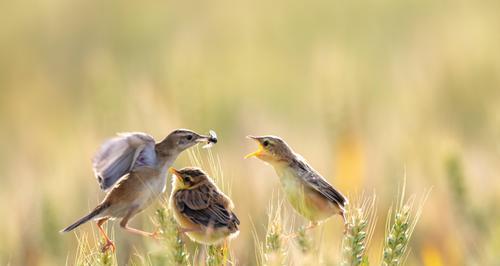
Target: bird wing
[[120, 155], [318, 183], [205, 206]]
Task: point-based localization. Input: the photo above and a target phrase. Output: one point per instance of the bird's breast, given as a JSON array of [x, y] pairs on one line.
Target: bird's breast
[[153, 187], [289, 179], [159, 184]]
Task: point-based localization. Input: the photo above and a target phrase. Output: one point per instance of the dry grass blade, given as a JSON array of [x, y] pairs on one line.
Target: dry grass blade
[[212, 165]]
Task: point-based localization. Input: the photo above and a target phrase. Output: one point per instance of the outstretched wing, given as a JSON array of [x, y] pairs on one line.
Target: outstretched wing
[[120, 155], [318, 183], [205, 206]]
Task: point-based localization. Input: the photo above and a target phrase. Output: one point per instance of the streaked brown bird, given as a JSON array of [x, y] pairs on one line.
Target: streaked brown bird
[[306, 190], [203, 212], [132, 168]]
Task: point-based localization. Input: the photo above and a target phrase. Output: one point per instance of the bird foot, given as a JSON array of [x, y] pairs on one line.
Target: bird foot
[[156, 234], [109, 245], [311, 225]]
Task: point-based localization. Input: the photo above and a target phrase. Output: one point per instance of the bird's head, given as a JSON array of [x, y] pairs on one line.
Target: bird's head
[[188, 177], [182, 139], [271, 149]]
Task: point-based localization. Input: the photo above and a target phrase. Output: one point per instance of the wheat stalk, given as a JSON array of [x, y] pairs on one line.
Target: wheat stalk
[[273, 249], [88, 254], [360, 216], [175, 248], [399, 232]]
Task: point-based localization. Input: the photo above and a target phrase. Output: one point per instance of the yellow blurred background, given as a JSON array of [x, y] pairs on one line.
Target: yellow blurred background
[[366, 91]]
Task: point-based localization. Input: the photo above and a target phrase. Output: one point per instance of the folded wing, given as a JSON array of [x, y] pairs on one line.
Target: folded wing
[[120, 155], [318, 183], [202, 207], [325, 189]]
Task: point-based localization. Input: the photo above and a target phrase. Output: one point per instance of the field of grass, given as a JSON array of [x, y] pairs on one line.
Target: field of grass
[[284, 243], [370, 93]]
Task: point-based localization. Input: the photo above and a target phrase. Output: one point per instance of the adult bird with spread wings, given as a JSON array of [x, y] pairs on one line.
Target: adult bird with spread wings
[[131, 168]]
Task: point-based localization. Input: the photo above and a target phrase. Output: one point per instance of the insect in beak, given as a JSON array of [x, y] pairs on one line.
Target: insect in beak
[[211, 140]]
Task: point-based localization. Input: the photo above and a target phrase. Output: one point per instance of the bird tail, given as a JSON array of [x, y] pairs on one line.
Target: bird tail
[[98, 210]]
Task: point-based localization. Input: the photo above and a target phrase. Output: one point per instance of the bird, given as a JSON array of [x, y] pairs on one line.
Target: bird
[[131, 168], [203, 212], [306, 190]]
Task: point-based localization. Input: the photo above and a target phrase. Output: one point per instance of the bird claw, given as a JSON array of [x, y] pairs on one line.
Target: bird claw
[[109, 245], [156, 235], [311, 226]]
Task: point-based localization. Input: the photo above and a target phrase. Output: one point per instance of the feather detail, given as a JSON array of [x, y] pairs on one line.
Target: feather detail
[[122, 154]]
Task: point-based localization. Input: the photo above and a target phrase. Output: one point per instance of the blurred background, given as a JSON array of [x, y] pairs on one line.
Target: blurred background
[[366, 91]]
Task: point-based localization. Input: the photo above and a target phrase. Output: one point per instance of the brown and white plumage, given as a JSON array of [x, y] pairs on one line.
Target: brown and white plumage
[[306, 190], [312, 178], [203, 211], [132, 169]]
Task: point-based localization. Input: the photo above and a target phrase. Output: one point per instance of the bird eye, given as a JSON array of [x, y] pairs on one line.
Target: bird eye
[[189, 137], [265, 143], [188, 179]]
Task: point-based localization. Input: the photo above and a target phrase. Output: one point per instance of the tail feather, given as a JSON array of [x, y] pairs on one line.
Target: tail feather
[[98, 210]]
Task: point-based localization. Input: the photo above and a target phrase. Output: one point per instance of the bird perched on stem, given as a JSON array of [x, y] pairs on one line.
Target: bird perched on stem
[[132, 168], [306, 190], [203, 212]]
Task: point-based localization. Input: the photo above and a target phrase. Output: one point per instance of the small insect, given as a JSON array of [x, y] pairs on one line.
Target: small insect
[[211, 141]]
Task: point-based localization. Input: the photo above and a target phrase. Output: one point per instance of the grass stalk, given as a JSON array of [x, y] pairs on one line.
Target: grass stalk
[[175, 249], [400, 227], [88, 254], [216, 255], [273, 249], [360, 215]]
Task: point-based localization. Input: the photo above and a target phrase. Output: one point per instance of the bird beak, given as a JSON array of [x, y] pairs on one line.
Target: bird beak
[[211, 139], [203, 138], [175, 172], [258, 152]]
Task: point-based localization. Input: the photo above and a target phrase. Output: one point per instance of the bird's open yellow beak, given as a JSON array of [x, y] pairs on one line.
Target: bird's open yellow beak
[[175, 172], [256, 153]]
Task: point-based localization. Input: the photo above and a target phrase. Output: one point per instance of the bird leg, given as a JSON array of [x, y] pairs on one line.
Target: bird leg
[[124, 225], [311, 225], [109, 244]]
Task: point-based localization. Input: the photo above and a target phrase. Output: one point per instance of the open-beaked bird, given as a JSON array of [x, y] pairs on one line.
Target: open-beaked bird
[[305, 189], [204, 213], [132, 169]]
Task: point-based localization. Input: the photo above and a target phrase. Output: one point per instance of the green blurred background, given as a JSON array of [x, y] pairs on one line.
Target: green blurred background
[[364, 90]]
